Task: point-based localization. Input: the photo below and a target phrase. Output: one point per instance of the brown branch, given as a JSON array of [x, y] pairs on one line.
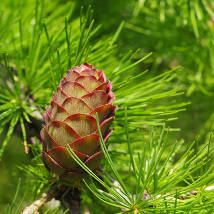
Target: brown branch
[[69, 198], [38, 204]]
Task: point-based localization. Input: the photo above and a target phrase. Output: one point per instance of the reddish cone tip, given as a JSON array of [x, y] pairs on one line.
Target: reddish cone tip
[[71, 119]]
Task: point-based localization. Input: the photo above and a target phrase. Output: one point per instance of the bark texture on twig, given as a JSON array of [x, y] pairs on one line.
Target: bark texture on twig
[[69, 198], [36, 205]]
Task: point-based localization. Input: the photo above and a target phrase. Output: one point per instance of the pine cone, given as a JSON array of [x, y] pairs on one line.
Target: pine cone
[[71, 119]]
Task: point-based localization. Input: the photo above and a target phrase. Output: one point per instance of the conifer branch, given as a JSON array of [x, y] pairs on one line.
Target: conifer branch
[[69, 198], [38, 204]]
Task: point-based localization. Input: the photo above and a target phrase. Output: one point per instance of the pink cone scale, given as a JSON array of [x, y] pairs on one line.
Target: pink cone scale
[[71, 120]]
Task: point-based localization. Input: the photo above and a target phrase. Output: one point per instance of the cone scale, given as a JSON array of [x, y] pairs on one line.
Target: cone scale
[[71, 120]]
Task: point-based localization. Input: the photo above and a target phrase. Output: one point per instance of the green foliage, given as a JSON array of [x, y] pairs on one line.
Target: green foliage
[[157, 183], [46, 54], [145, 169], [182, 32]]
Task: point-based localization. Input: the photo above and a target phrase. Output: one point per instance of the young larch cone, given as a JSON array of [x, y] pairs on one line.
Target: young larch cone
[[71, 119]]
